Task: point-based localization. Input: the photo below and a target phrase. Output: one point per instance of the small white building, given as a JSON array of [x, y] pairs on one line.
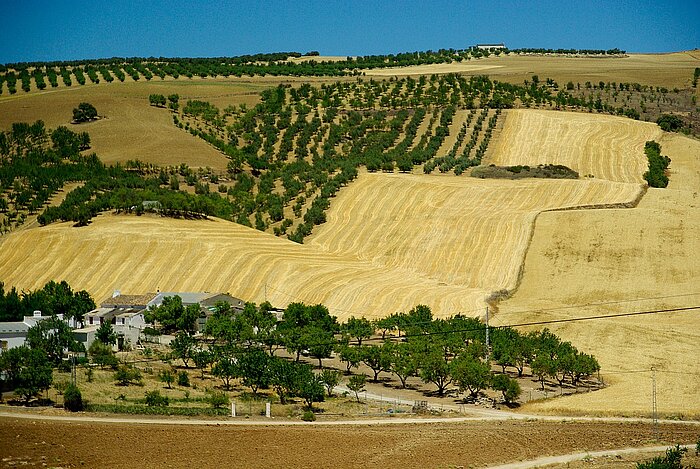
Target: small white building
[[127, 323], [14, 333]]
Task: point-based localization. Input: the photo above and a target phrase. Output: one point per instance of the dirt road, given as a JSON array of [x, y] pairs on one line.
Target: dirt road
[[567, 458]]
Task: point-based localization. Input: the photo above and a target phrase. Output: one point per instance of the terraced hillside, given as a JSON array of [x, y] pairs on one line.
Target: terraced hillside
[[606, 147]]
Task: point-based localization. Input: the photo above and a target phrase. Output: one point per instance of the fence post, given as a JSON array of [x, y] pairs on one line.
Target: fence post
[[233, 409], [267, 409]]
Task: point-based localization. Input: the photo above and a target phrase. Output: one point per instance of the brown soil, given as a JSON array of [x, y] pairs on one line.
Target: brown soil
[[117, 445]]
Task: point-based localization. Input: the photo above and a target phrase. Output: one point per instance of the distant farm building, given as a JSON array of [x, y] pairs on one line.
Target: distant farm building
[[491, 46]]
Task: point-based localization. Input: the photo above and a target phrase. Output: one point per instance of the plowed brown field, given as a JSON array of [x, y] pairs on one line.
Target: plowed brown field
[[472, 444]]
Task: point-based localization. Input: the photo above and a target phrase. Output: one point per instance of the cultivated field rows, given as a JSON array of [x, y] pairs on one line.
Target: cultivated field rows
[[606, 147], [149, 253], [423, 239], [461, 232]]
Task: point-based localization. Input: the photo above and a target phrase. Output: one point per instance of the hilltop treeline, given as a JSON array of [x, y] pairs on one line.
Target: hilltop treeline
[[276, 64]]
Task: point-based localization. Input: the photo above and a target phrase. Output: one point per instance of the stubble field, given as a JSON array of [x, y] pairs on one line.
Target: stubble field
[[605, 147], [467, 239], [650, 253]]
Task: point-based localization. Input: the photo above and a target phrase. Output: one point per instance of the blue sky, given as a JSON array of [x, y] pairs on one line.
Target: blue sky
[[67, 30]]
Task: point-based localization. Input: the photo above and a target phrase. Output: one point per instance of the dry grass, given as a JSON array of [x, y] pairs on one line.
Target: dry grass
[[669, 70], [607, 147], [651, 252], [472, 67], [132, 129]]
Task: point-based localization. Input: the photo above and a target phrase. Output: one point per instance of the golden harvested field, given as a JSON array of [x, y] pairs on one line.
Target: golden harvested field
[[651, 252], [668, 70], [132, 129], [472, 67], [607, 147], [441, 249], [459, 231]]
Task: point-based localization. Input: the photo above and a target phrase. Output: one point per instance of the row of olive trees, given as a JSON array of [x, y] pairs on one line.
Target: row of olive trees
[[442, 352]]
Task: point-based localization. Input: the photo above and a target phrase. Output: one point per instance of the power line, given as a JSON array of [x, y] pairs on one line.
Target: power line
[[288, 295], [555, 321], [603, 303], [560, 308]]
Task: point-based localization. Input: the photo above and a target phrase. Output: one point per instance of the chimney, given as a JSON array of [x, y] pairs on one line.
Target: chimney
[[37, 314]]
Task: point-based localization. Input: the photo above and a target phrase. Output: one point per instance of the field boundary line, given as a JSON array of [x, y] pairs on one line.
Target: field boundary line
[[521, 270]]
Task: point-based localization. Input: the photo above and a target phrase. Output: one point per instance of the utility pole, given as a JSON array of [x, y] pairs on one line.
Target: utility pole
[[654, 415], [488, 349], [73, 372]]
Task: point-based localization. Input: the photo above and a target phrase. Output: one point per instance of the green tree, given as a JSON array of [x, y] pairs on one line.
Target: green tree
[[218, 399], [358, 328], [183, 379], [155, 399], [543, 366], [330, 379], [508, 386], [127, 375], [670, 122], [183, 347], [225, 368], [357, 384], [202, 359], [253, 368], [28, 370], [102, 355], [167, 377], [435, 368], [156, 100], [72, 398], [351, 356], [105, 334], [283, 377], [84, 112], [310, 386], [172, 315], [302, 326], [320, 343], [53, 336], [403, 362], [671, 460], [377, 357], [471, 374]]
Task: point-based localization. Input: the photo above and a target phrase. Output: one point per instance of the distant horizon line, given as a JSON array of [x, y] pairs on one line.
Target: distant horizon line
[[304, 54]]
